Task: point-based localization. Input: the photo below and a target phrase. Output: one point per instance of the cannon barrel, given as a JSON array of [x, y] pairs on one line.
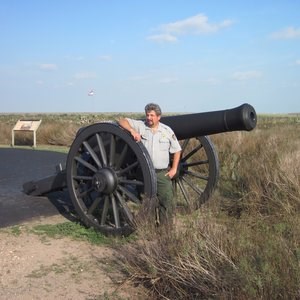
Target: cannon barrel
[[187, 126]]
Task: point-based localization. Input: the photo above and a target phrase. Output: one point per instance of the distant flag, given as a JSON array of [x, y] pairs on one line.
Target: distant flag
[[91, 93]]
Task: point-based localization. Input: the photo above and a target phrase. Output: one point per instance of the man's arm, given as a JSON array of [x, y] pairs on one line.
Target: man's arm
[[123, 122], [175, 163]]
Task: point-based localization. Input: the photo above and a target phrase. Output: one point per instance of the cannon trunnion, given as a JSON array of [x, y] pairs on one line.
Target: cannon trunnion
[[111, 180]]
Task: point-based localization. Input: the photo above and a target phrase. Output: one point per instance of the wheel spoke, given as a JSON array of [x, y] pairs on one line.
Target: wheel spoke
[[125, 208], [129, 194], [195, 150], [94, 205], [197, 163], [112, 151], [122, 157], [84, 178], [85, 163], [92, 153], [194, 174], [115, 211], [133, 182], [184, 145], [183, 191], [101, 149], [84, 193], [105, 210], [192, 186], [128, 168]]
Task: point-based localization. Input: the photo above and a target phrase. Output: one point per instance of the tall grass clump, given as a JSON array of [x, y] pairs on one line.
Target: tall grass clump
[[186, 263], [242, 244], [262, 172], [57, 133], [5, 137]]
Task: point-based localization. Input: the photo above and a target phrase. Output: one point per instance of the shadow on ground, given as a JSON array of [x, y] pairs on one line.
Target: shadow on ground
[[18, 166]]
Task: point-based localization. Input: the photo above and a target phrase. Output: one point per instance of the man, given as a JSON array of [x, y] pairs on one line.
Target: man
[[160, 141]]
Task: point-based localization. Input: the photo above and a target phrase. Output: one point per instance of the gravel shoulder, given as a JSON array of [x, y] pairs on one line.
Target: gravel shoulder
[[38, 267]]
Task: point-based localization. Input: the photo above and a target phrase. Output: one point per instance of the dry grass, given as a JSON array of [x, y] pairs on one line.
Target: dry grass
[[181, 262], [56, 134], [245, 242], [5, 137], [242, 244]]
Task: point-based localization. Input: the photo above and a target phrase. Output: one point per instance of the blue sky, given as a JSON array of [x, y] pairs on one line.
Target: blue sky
[[186, 55]]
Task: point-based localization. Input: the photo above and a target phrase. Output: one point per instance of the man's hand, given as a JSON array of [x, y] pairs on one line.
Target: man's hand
[[176, 159], [171, 173], [123, 122], [136, 136]]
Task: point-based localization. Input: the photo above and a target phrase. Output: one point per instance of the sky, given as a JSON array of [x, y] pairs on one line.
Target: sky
[[98, 56]]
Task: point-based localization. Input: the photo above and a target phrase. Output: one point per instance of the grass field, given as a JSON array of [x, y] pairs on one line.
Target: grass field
[[244, 243]]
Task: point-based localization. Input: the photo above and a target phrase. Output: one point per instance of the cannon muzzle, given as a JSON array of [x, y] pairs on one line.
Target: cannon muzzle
[[187, 126]]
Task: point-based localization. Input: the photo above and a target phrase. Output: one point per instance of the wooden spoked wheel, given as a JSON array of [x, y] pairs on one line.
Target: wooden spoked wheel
[[109, 177], [197, 174]]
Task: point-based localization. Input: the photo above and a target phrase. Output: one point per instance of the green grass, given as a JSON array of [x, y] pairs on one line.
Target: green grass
[[78, 232], [68, 264], [61, 149], [72, 230], [68, 229], [16, 230]]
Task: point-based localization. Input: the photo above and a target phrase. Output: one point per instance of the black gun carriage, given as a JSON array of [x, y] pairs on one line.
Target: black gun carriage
[[110, 177]]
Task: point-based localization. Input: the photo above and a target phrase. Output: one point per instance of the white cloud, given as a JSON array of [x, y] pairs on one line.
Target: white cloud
[[139, 77], [298, 62], [246, 75], [85, 75], [195, 25], [165, 37], [48, 67], [75, 58], [212, 81], [286, 33], [168, 80], [105, 57]]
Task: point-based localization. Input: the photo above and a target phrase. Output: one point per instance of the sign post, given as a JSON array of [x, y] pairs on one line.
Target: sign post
[[25, 126]]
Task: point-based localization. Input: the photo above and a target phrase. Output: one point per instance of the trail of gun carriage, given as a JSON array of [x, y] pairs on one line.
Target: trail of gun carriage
[[237, 200]]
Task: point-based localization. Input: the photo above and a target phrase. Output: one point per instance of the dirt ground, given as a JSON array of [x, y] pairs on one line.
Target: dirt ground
[[35, 267]]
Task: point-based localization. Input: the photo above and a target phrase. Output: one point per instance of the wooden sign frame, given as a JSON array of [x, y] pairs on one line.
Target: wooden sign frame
[[25, 126]]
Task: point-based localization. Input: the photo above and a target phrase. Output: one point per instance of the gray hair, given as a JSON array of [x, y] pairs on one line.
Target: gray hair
[[153, 106]]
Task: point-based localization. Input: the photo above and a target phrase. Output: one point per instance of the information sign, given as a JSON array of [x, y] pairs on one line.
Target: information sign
[[26, 125]]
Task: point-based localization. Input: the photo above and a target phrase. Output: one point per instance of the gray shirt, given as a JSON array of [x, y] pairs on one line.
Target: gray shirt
[[159, 144]]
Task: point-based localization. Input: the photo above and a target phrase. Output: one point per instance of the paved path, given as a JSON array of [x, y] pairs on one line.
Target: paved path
[[18, 166]]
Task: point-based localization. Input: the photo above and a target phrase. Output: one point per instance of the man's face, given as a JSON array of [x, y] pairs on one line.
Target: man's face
[[152, 118]]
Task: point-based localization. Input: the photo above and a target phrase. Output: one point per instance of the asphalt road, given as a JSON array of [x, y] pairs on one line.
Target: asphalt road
[[18, 166]]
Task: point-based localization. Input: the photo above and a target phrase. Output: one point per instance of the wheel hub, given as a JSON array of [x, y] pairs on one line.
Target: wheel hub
[[105, 181]]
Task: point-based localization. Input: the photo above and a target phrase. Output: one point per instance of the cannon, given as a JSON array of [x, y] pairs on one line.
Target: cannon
[[110, 177]]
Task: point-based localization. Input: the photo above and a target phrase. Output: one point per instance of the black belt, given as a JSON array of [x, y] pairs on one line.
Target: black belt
[[160, 170]]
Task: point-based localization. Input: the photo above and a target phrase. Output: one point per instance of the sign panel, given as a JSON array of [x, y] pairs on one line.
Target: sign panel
[[26, 125]]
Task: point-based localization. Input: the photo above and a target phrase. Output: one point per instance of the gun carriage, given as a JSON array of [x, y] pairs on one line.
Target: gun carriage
[[110, 178]]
